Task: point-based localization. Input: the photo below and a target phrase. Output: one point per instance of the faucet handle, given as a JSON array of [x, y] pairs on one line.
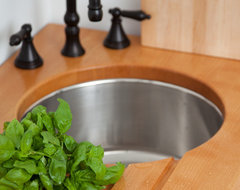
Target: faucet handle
[[28, 57], [16, 39], [116, 38], [138, 15]]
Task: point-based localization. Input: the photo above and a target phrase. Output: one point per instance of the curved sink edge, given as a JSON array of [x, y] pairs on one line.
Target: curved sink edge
[[137, 72]]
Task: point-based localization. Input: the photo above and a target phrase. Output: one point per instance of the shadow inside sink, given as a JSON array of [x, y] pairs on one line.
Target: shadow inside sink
[[138, 120]]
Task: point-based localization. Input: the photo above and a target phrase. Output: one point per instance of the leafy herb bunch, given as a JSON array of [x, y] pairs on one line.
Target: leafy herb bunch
[[36, 154]]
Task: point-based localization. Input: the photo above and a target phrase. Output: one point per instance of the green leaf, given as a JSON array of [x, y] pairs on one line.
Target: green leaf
[[26, 123], [82, 150], [69, 164], [96, 152], [47, 122], [84, 175], [33, 185], [20, 155], [113, 174], [70, 185], [42, 163], [63, 116], [28, 165], [39, 121], [35, 156], [92, 156], [38, 110], [46, 181], [90, 186], [70, 143], [3, 171], [49, 149], [15, 132], [27, 141], [95, 162], [58, 167], [6, 183], [18, 176], [6, 148], [80, 154], [49, 138], [4, 187], [59, 187], [35, 129], [37, 142], [97, 166], [8, 164]]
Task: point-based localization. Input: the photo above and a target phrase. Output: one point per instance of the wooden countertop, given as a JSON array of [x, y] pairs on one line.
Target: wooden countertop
[[213, 165]]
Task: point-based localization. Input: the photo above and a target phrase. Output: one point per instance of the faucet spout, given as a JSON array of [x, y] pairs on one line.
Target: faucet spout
[[95, 12], [73, 47]]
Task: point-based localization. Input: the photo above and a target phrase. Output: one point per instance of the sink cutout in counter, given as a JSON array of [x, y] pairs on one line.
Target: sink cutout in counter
[[138, 120]]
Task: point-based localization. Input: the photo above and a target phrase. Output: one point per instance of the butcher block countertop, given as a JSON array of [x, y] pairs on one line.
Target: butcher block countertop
[[213, 165]]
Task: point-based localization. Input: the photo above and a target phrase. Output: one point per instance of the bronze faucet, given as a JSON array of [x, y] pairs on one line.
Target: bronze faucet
[[73, 47]]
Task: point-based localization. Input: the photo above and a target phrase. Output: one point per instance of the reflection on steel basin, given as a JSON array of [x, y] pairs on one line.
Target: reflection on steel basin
[[138, 120]]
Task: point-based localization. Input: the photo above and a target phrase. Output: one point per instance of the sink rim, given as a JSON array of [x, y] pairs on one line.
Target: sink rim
[[132, 80], [74, 77]]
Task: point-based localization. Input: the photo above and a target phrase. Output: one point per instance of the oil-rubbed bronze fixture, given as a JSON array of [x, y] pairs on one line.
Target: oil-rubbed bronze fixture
[[28, 57], [73, 47], [116, 38]]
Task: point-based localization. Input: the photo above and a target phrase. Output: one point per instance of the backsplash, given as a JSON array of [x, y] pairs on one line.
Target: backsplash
[[209, 27]]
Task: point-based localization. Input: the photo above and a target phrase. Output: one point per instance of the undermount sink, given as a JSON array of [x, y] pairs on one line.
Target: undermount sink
[[138, 120]]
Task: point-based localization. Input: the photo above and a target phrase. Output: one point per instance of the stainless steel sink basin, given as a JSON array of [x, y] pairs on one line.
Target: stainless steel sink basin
[[138, 120]]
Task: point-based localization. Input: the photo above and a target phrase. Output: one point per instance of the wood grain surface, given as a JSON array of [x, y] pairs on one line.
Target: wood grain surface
[[209, 27], [144, 176], [213, 165]]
